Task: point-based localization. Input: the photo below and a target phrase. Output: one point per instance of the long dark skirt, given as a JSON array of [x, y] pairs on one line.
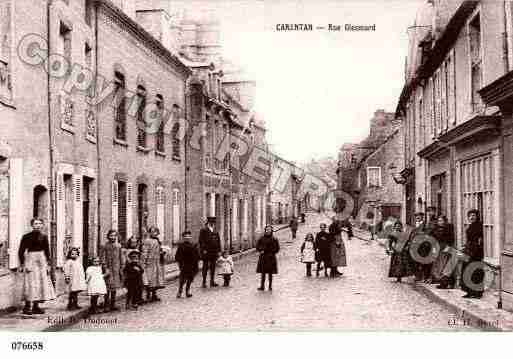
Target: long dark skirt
[[401, 265]]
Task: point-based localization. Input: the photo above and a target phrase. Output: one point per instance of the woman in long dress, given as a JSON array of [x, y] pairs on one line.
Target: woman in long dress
[[152, 261], [34, 256], [444, 234], [337, 248], [401, 264], [268, 247], [472, 283]]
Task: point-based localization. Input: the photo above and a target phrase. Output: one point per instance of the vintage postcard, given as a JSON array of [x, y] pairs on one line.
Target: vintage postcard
[[255, 165]]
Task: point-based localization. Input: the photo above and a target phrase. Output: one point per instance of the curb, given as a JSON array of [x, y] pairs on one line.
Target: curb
[[169, 277]]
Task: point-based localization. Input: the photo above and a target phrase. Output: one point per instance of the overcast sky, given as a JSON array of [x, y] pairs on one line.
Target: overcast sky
[[317, 90]]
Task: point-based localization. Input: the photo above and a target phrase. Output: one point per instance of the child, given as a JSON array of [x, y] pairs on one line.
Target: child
[[308, 253], [95, 283], [74, 277], [133, 275], [225, 265], [187, 257]]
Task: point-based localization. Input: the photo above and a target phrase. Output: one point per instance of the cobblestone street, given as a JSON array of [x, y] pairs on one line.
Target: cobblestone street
[[362, 299]]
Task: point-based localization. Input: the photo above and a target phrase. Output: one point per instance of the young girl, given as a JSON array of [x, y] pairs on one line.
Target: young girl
[[225, 267], [74, 277], [95, 283], [308, 253]]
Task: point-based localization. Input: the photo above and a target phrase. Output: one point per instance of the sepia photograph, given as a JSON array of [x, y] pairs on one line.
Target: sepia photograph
[[255, 166]]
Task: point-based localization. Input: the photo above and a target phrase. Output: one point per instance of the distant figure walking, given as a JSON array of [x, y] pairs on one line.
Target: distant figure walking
[[293, 227], [268, 247]]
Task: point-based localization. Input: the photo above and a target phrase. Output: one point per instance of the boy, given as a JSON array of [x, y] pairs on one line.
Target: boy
[[133, 273]]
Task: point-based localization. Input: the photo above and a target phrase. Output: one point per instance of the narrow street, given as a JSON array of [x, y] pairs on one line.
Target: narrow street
[[362, 299]]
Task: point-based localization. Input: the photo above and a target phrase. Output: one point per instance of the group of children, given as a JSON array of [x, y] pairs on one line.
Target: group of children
[[95, 278]]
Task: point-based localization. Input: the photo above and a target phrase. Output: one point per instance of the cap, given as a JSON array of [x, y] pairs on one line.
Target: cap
[[134, 251], [211, 219], [186, 234]]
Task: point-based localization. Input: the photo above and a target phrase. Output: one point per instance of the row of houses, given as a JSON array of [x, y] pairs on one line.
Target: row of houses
[[455, 111], [80, 85]]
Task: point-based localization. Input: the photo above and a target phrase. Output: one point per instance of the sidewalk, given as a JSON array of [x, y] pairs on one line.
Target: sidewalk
[[482, 314], [58, 318]]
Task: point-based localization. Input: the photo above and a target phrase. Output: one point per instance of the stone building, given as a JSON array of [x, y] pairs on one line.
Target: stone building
[[83, 168], [352, 166], [379, 195], [456, 138]]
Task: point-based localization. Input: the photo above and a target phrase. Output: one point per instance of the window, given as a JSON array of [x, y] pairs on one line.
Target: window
[[175, 133], [88, 11], [479, 183], [159, 139], [65, 41], [120, 111], [140, 120], [160, 201], [88, 55], [142, 209], [373, 176], [5, 51], [475, 62], [122, 199]]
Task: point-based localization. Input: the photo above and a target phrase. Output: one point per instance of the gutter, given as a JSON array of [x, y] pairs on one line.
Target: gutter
[[98, 157], [51, 149]]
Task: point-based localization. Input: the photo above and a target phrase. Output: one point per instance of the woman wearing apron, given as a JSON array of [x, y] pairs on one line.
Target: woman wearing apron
[[34, 256]]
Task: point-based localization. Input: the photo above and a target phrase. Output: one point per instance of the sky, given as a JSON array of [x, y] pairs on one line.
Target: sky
[[317, 90]]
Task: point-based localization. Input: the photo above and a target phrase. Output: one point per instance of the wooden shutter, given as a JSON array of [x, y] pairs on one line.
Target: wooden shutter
[[77, 211], [16, 207], [159, 201], [114, 202], [129, 210], [176, 215], [61, 219]]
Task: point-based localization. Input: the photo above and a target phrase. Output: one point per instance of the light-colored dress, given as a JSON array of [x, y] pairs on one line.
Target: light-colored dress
[[308, 253], [225, 265], [37, 285], [153, 276], [75, 272], [95, 282]]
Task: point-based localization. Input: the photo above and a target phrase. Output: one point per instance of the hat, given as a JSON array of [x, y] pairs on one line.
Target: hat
[[134, 251], [211, 219], [418, 214], [187, 233]]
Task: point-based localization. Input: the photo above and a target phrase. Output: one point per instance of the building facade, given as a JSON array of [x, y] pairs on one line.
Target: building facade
[[81, 167], [455, 154]]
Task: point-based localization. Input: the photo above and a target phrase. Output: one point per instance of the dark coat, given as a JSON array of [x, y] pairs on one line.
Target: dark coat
[[322, 247], [401, 263], [187, 257], [133, 275], [210, 244], [268, 246], [293, 224], [475, 250]]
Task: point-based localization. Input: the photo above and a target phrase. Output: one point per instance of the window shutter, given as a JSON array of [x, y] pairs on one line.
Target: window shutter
[[452, 94], [129, 210], [159, 200], [61, 220], [77, 211], [16, 207], [114, 201], [176, 215]]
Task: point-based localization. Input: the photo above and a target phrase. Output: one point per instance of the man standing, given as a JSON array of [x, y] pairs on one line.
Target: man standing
[[293, 227], [187, 258], [210, 249]]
